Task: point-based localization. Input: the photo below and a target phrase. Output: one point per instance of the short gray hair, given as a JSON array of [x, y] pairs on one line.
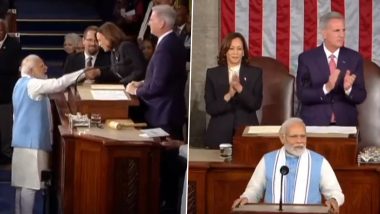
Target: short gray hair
[[323, 20], [167, 13], [75, 38], [288, 123], [28, 63]]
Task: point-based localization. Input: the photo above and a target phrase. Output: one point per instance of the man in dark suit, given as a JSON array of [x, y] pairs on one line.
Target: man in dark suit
[[91, 57], [163, 93], [10, 53], [330, 80], [163, 88]]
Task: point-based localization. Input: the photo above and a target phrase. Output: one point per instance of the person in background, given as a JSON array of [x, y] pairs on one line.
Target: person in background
[[162, 91], [32, 127], [330, 80], [233, 92], [128, 15], [10, 57], [127, 60], [72, 43], [91, 57], [310, 174], [148, 48]]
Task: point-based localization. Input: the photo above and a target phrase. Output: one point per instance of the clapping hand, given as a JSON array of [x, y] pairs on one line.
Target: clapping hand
[[349, 80], [235, 82], [330, 85]]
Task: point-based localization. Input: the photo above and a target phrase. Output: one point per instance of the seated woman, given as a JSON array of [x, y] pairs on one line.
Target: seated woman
[[233, 92]]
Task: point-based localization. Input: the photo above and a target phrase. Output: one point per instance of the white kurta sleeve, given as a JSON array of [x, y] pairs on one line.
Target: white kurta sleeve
[[329, 185], [37, 88], [256, 185]]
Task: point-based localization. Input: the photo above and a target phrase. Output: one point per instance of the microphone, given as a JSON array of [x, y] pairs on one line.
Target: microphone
[[284, 170]]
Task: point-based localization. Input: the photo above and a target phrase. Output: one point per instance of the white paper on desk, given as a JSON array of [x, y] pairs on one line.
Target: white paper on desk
[[107, 86], [156, 132], [331, 129], [263, 130], [109, 95]]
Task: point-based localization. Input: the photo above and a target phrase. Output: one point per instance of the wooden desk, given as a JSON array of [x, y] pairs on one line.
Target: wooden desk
[[214, 185], [82, 101], [338, 151], [99, 175]]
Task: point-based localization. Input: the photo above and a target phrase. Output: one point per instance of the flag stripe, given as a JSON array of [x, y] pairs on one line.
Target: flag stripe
[[227, 17], [269, 30], [338, 5], [283, 31], [296, 32], [311, 28], [365, 28], [352, 25], [242, 18], [255, 27], [376, 31]]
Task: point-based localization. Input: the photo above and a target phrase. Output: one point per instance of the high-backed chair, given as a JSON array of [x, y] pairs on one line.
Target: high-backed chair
[[369, 110], [278, 90]]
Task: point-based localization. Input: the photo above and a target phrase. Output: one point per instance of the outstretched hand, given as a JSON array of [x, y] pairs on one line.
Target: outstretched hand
[[92, 73]]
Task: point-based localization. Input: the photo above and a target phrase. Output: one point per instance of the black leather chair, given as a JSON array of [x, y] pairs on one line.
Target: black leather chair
[[278, 91], [369, 110]]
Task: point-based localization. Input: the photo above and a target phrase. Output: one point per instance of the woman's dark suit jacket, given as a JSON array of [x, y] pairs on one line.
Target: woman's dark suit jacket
[[128, 62], [239, 111]]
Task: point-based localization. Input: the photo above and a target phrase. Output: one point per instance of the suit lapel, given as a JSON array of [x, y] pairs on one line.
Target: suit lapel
[[243, 75], [322, 62]]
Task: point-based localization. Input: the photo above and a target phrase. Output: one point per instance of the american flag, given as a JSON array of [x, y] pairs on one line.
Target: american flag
[[283, 29]]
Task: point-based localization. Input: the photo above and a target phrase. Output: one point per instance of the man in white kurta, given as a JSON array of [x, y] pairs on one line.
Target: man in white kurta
[[31, 138], [310, 174]]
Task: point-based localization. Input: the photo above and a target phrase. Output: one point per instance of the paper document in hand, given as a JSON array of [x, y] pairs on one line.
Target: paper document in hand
[[107, 86], [156, 132], [109, 95]]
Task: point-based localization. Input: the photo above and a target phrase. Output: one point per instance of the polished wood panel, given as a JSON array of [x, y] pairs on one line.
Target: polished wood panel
[[226, 181], [338, 151], [100, 175]]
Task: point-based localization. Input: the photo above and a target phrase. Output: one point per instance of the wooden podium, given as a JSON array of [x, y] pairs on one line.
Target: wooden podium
[[286, 209], [81, 100], [99, 175], [338, 151]]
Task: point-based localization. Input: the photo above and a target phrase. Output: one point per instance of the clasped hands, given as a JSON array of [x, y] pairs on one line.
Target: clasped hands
[[331, 203], [348, 81], [235, 87], [133, 86], [92, 73]]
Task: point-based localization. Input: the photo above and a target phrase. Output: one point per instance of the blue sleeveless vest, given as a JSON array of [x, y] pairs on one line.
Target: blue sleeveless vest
[[314, 195], [31, 126]]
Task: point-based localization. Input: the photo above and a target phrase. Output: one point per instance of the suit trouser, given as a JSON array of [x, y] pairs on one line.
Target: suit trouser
[[6, 121]]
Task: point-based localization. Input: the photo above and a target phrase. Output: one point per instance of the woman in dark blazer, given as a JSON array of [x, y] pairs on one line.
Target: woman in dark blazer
[[127, 60], [233, 92]]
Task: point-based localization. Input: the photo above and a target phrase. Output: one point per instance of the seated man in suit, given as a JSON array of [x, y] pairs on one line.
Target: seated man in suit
[[310, 174], [330, 80], [91, 57]]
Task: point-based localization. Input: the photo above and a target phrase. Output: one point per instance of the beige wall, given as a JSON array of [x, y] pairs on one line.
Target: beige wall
[[205, 46]]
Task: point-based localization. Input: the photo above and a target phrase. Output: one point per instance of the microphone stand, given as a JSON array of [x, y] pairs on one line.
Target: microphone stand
[[280, 206], [284, 170]]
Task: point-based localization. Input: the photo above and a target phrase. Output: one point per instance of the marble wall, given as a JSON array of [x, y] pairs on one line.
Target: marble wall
[[205, 46]]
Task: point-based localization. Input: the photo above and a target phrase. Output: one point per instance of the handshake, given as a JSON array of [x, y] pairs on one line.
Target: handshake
[[91, 73]]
